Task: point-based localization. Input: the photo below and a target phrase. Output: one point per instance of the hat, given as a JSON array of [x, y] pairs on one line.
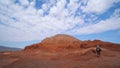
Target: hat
[[97, 45]]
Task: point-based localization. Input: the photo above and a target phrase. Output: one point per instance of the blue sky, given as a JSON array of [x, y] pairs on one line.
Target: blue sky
[[24, 22]]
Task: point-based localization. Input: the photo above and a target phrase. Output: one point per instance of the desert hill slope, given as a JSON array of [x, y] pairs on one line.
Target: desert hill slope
[[63, 51], [62, 41], [59, 41]]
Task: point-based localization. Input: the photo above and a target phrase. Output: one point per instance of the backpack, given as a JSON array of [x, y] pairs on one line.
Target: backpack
[[98, 49]]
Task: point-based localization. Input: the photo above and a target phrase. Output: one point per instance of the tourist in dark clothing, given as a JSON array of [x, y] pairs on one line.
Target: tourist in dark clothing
[[98, 50]]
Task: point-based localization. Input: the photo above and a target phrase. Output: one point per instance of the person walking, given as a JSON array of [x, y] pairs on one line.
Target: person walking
[[98, 50]]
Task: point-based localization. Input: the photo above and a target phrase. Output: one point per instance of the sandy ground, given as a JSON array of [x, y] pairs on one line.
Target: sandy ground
[[84, 58]]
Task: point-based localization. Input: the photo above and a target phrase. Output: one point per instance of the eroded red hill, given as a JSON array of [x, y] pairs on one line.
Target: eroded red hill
[[59, 41], [63, 42]]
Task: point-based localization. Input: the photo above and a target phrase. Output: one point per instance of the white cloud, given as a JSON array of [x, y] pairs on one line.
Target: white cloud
[[58, 8], [31, 24], [111, 23], [25, 24], [73, 6], [24, 2], [98, 6]]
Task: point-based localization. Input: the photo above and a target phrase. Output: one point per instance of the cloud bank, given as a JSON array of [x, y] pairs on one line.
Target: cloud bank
[[27, 20]]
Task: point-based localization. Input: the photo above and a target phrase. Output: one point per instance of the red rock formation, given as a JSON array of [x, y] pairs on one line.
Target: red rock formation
[[57, 42], [62, 41]]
